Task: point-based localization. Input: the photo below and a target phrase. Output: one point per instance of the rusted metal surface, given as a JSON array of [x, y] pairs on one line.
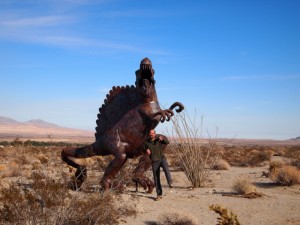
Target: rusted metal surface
[[123, 124]]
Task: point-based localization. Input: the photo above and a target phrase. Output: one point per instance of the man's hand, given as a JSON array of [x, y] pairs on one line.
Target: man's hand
[[148, 151]]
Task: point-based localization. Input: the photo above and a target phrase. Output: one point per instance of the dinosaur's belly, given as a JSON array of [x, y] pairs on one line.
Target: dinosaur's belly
[[134, 129]]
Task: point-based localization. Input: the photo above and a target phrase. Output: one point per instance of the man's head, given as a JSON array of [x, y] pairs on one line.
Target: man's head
[[152, 134]]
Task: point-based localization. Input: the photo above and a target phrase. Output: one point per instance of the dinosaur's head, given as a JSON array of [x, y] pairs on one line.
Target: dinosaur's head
[[145, 78]]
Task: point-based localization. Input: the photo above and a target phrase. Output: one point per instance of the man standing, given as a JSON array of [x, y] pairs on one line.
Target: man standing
[[154, 149]]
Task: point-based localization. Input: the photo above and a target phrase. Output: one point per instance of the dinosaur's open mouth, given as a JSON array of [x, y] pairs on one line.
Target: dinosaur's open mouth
[[146, 78], [146, 81]]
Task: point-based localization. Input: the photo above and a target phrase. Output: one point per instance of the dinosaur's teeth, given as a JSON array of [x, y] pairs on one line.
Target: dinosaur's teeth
[[146, 67]]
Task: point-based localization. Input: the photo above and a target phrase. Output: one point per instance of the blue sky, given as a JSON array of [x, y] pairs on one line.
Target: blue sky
[[236, 63]]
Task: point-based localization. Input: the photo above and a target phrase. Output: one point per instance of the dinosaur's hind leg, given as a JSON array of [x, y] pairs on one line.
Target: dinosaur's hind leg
[[81, 171], [111, 170], [139, 178]]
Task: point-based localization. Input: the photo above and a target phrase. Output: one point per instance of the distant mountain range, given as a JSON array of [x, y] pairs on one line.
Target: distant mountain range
[[37, 122], [38, 129], [41, 130], [295, 139]]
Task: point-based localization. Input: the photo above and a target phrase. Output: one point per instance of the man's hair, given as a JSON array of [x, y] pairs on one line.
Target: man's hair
[[153, 130]]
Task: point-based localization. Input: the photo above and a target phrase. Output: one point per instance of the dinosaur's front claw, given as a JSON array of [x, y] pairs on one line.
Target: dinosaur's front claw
[[163, 117]]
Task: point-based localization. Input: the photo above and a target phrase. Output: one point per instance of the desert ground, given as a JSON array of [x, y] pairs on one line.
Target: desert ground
[[278, 204], [35, 184]]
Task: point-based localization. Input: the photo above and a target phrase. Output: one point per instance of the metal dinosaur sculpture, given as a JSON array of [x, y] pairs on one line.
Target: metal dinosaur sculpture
[[123, 124]]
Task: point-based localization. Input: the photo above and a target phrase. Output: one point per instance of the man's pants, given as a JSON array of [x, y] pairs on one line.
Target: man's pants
[[156, 174]]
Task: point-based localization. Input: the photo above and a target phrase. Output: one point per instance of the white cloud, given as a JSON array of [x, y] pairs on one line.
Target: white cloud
[[37, 21], [45, 23]]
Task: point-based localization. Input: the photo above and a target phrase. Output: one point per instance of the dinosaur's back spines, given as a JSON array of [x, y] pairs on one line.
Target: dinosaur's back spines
[[118, 101], [115, 91]]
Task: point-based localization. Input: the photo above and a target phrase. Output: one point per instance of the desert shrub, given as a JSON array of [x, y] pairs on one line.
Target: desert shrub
[[243, 186], [196, 159], [259, 157], [227, 217], [275, 165], [235, 155], [246, 155], [173, 160], [293, 152], [5, 153], [12, 170], [177, 218], [296, 163], [221, 165], [4, 143], [43, 200], [286, 175], [22, 159], [17, 142], [280, 151], [93, 209]]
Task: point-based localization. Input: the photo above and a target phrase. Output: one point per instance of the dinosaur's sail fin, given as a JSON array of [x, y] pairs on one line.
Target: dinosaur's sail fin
[[118, 102]]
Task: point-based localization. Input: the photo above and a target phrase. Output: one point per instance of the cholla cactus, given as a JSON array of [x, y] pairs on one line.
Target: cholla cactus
[[227, 217]]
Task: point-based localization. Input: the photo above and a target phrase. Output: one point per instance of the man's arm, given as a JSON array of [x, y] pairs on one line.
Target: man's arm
[[163, 141], [146, 149]]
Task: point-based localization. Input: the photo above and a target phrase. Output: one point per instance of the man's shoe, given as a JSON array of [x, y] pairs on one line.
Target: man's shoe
[[159, 197], [170, 186]]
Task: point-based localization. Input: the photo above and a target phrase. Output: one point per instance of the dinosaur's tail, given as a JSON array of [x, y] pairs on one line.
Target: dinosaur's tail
[[81, 171], [82, 152]]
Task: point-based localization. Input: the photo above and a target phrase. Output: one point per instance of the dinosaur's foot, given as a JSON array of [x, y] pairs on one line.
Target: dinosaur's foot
[[140, 181], [146, 183], [150, 189], [150, 186], [105, 184]]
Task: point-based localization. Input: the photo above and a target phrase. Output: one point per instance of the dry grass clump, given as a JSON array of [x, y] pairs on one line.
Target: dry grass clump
[[221, 165], [3, 167], [243, 186], [42, 158], [177, 218], [227, 217], [285, 174], [275, 165], [12, 170]]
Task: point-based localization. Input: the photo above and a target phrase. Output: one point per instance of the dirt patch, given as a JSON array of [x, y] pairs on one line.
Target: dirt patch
[[277, 205]]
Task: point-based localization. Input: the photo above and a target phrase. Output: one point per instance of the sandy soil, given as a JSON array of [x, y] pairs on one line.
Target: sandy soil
[[34, 133], [279, 204]]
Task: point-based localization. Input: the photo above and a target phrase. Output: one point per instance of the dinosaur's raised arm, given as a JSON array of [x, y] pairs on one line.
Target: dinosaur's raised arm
[[177, 104]]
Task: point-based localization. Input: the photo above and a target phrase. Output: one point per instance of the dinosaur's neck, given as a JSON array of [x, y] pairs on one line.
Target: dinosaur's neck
[[152, 98]]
